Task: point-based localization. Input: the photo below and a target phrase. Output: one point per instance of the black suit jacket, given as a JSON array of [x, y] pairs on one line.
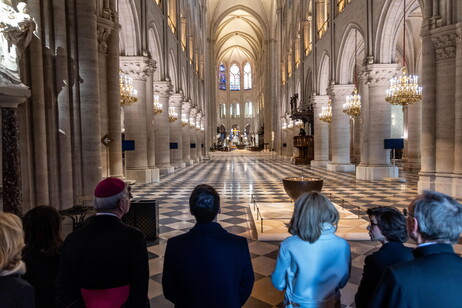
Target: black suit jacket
[[375, 264], [432, 279], [103, 253], [15, 292], [207, 267]]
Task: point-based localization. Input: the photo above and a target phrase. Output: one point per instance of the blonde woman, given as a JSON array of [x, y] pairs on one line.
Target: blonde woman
[[14, 292], [313, 264]]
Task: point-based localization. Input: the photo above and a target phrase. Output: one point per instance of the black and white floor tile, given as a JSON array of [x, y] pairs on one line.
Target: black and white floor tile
[[237, 176]]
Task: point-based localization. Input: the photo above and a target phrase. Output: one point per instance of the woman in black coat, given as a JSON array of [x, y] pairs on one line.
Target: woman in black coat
[[42, 227], [14, 291]]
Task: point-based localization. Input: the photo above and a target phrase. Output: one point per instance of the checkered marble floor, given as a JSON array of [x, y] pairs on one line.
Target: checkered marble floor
[[237, 176]]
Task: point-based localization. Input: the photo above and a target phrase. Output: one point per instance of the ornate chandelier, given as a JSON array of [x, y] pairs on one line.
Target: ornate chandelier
[[284, 124], [352, 106], [172, 114], [298, 123], [156, 105], [326, 112], [404, 90], [128, 95], [184, 119]]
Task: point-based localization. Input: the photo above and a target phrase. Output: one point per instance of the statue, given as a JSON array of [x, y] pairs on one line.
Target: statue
[[16, 29]]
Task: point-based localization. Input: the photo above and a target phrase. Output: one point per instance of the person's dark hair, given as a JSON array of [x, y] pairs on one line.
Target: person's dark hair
[[391, 223], [204, 203], [42, 226]]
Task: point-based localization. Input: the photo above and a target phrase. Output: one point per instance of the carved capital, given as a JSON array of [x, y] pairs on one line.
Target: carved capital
[[186, 106], [163, 88], [192, 112], [103, 30], [445, 45], [175, 100], [380, 74], [319, 100], [339, 91], [138, 68]]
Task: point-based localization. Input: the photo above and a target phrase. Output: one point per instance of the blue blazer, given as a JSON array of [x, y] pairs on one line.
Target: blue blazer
[[207, 267], [375, 264], [432, 280]]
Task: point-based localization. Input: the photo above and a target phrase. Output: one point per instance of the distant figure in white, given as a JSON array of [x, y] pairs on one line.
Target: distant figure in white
[[16, 29]]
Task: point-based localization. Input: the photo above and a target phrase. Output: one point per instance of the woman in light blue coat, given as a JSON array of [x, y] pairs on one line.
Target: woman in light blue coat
[[313, 264]]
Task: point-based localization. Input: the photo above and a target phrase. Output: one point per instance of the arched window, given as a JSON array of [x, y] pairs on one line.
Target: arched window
[[238, 110], [248, 113], [222, 77], [222, 110], [234, 78], [247, 76]]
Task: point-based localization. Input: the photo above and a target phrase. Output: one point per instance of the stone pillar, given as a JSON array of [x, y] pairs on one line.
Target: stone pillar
[[192, 132], [413, 115], [176, 154], [457, 182], [377, 118], [445, 51], [136, 161], [340, 128], [199, 140], [162, 89], [151, 134], [186, 133], [10, 98], [108, 29], [321, 133], [428, 140]]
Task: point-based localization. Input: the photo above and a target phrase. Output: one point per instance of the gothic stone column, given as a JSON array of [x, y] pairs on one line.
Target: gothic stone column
[[376, 165], [162, 89], [10, 98], [321, 133], [192, 130], [457, 182], [136, 161], [176, 132], [186, 133], [340, 128]]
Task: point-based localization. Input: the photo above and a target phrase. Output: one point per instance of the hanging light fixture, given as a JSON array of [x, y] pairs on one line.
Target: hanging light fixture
[[326, 112], [156, 105], [284, 124], [184, 119], [404, 90], [128, 95], [172, 114], [352, 106]]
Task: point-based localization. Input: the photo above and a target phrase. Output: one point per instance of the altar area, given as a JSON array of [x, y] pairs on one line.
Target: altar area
[[271, 221]]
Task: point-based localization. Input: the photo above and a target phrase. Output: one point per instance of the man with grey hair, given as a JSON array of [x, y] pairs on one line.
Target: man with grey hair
[[432, 279], [104, 263]]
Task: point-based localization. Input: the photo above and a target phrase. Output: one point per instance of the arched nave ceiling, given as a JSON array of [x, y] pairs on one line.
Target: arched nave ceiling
[[239, 28]]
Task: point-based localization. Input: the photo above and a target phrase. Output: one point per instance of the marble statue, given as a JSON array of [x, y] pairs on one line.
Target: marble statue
[[16, 29]]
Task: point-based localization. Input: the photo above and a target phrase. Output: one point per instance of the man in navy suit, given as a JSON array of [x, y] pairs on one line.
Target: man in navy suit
[[433, 278], [207, 266]]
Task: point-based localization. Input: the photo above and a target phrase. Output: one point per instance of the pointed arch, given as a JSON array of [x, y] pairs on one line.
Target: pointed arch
[[345, 69], [324, 74], [129, 35], [155, 48]]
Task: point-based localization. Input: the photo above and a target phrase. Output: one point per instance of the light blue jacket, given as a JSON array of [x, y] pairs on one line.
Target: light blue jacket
[[313, 273]]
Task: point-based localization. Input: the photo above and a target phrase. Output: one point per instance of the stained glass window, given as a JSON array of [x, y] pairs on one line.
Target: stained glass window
[[234, 78], [222, 77]]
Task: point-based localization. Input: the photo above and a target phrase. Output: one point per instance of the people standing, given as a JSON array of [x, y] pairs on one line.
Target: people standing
[[388, 226], [432, 279], [313, 264], [104, 263], [207, 267], [14, 291]]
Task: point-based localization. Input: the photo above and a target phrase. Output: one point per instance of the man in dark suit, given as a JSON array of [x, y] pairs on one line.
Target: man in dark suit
[[388, 226], [207, 266], [104, 261], [433, 278]]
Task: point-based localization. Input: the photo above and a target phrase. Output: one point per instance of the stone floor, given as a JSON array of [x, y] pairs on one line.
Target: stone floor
[[237, 176]]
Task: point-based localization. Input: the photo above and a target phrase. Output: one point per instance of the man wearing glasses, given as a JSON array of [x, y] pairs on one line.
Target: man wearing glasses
[[433, 278]]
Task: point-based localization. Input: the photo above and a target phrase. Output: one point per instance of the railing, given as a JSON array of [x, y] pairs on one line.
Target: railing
[[342, 4], [171, 24], [308, 48]]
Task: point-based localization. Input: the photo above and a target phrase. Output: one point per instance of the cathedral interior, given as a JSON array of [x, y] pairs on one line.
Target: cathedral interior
[[238, 94]]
